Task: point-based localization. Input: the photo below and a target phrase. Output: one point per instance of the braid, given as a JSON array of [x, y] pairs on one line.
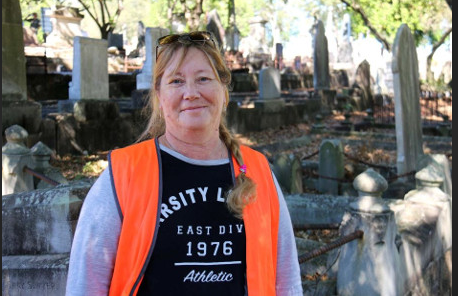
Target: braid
[[244, 189]]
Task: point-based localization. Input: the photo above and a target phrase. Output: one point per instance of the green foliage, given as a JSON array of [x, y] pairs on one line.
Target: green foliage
[[245, 10], [425, 18]]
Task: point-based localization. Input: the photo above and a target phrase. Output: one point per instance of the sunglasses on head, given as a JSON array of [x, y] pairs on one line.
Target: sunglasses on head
[[198, 37]]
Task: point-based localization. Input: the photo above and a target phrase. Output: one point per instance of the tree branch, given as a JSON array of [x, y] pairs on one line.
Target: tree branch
[[442, 40], [89, 12], [355, 7], [429, 59]]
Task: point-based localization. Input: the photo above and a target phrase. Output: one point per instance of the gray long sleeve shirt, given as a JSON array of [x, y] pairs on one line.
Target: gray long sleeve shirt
[[96, 239]]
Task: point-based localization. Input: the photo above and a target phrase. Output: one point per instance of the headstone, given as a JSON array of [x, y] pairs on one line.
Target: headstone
[[232, 32], [144, 79], [115, 40], [331, 167], [407, 101], [346, 27], [321, 78], [345, 48], [215, 26], [46, 24], [331, 36], [256, 41], [279, 56], [90, 70], [363, 83], [288, 170], [269, 90], [269, 84], [232, 38]]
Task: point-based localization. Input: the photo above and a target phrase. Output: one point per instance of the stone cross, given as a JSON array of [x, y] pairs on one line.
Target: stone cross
[[407, 101], [90, 69]]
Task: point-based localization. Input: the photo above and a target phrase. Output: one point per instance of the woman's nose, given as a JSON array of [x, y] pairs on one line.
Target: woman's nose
[[191, 91]]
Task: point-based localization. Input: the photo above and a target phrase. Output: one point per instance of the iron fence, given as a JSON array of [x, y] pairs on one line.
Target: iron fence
[[435, 108]]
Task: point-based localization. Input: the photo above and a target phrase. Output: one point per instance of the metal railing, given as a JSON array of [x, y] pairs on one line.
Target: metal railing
[[41, 176], [434, 108], [357, 234]]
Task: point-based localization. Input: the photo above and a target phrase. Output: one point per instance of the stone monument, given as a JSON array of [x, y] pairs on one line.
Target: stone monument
[[409, 135], [269, 90], [16, 109], [90, 69], [144, 79]]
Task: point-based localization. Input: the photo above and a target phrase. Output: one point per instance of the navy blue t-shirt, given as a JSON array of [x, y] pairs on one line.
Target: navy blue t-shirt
[[200, 247]]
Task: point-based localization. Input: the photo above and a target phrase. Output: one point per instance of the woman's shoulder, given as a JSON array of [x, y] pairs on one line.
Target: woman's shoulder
[[135, 152], [139, 147]]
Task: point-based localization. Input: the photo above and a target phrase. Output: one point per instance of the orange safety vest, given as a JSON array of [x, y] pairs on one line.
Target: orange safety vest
[[136, 174]]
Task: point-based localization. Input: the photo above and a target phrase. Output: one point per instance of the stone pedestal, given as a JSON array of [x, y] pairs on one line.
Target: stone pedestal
[[15, 157], [270, 105], [370, 266], [34, 275], [425, 224], [328, 100]]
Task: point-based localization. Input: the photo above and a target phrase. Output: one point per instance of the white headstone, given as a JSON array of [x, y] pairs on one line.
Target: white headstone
[[90, 69], [145, 78], [407, 101], [269, 84]]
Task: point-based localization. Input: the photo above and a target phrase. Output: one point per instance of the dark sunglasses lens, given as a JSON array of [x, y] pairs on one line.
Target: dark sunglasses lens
[[167, 39], [199, 36]]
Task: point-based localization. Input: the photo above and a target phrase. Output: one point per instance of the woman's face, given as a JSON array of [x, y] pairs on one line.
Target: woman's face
[[192, 98]]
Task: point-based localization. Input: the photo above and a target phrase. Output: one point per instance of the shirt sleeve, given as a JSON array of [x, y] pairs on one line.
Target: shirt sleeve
[[288, 269], [95, 242]]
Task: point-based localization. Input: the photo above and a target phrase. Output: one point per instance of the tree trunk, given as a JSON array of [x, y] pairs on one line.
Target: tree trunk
[[429, 59]]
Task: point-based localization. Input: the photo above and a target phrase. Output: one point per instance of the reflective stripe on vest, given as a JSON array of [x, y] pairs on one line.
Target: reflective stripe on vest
[[137, 179]]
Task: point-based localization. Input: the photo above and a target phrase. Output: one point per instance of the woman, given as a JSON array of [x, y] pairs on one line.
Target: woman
[[186, 211]]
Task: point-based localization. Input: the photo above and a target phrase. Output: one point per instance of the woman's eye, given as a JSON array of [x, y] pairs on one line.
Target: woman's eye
[[204, 79], [175, 81]]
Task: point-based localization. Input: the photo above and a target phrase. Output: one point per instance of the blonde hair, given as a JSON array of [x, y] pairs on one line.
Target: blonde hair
[[244, 189]]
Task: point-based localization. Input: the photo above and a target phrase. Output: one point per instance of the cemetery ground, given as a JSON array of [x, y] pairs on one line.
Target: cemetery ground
[[75, 167]]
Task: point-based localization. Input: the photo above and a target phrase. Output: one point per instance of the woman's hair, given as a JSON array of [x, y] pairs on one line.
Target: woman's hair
[[243, 191]]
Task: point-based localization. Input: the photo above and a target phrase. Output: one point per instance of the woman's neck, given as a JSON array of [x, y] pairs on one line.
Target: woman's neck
[[203, 148]]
